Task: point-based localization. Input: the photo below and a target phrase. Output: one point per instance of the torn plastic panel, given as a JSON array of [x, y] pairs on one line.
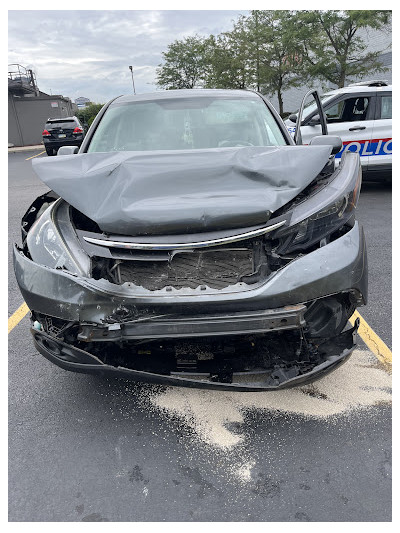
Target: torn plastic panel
[[35, 210], [164, 193]]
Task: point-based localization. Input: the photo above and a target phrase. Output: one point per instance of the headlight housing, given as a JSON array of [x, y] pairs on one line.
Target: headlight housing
[[325, 211], [46, 245]]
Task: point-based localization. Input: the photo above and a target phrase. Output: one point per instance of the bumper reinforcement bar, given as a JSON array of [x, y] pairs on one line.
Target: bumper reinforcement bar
[[164, 327]]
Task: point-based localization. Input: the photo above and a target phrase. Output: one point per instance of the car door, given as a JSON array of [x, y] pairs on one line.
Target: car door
[[350, 116], [381, 144]]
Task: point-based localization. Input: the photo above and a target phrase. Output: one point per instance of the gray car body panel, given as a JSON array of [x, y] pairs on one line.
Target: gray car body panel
[[341, 267], [185, 191]]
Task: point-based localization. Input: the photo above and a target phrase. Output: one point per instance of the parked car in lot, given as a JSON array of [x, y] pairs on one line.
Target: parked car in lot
[[191, 242], [361, 114], [67, 131]]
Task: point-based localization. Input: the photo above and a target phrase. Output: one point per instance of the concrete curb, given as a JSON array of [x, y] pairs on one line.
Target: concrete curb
[[25, 148]]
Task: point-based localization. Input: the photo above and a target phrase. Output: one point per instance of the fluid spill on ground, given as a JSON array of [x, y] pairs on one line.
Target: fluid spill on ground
[[356, 384]]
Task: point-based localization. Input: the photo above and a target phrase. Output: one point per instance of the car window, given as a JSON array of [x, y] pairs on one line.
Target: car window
[[335, 112], [61, 124], [386, 107], [311, 106], [186, 123], [349, 110]]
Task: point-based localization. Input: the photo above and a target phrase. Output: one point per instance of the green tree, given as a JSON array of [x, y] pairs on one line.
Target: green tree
[[274, 50], [87, 114], [333, 47], [186, 63], [277, 56], [230, 59]]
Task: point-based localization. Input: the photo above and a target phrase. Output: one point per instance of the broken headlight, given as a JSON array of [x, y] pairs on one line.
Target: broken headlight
[[47, 247], [325, 211]]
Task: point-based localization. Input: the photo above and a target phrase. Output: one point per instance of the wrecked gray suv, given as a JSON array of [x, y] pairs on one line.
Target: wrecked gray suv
[[190, 241]]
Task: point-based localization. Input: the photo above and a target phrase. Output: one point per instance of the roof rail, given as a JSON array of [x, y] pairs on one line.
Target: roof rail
[[370, 83]]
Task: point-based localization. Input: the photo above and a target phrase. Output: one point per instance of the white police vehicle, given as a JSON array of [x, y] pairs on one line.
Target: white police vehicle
[[361, 114]]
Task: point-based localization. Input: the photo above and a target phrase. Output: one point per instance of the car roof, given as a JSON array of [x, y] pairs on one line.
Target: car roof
[[358, 89], [61, 119], [185, 93]]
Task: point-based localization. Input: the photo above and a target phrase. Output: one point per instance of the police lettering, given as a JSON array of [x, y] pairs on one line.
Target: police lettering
[[368, 148]]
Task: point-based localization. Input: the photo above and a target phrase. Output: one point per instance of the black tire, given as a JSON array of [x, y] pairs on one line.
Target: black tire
[[49, 150]]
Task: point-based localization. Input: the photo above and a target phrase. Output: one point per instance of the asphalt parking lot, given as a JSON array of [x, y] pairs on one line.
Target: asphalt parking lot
[[84, 448]]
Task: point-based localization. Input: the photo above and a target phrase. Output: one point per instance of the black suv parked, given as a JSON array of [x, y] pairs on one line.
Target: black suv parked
[[62, 132]]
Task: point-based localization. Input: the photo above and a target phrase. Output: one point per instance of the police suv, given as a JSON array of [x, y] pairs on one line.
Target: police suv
[[361, 114]]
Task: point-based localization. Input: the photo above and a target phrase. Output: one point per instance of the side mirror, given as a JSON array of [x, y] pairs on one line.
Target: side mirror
[[68, 150], [331, 140], [293, 117], [314, 121]]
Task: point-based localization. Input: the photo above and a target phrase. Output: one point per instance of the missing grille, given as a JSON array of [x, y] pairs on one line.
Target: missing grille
[[216, 269]]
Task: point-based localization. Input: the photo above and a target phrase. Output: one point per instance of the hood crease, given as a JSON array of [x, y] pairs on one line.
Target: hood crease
[[171, 192]]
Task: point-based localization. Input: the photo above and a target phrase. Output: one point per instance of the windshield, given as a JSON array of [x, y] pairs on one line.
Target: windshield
[[186, 124]]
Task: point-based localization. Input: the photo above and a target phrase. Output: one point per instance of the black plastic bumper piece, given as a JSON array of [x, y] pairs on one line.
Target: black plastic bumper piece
[[210, 325], [74, 359]]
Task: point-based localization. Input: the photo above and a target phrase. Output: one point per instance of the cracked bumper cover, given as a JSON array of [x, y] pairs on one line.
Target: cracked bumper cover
[[340, 266]]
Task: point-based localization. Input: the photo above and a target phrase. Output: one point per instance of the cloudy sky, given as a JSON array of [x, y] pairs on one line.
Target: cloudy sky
[[87, 53]]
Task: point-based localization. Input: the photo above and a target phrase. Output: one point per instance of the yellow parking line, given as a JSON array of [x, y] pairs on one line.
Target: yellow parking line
[[371, 339], [35, 155], [17, 316]]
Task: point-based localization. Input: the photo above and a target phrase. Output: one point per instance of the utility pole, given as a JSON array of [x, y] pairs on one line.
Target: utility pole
[[133, 81]]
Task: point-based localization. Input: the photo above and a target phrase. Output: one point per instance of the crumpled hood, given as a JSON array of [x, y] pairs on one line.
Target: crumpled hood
[[170, 192]]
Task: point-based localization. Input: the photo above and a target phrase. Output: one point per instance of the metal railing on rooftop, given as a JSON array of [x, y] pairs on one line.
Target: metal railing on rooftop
[[21, 80]]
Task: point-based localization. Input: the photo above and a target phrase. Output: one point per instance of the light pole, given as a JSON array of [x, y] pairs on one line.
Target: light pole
[[133, 81]]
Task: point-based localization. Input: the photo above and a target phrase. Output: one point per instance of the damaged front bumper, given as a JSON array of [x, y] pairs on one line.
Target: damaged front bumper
[[338, 267], [333, 352], [122, 331]]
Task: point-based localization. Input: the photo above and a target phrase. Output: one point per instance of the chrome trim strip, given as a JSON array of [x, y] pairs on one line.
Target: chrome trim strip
[[184, 246]]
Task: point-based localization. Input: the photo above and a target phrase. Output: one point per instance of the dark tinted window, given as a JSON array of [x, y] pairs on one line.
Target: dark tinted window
[[350, 110]]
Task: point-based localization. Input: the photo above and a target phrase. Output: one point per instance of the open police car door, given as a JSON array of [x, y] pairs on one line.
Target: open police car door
[[352, 118], [333, 140]]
